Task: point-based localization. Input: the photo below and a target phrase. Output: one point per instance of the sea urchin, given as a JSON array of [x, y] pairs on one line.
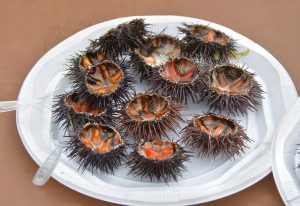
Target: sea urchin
[[150, 116], [211, 134], [97, 147], [160, 160], [230, 88], [178, 78], [207, 43]]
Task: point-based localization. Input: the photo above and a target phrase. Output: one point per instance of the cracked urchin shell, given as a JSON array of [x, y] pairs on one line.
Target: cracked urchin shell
[[178, 78], [150, 116], [97, 147], [210, 135], [231, 89], [106, 83], [122, 39], [155, 52], [160, 160], [72, 111], [206, 43]]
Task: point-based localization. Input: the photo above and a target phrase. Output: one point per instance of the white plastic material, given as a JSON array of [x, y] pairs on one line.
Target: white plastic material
[[285, 156], [43, 174], [207, 178]]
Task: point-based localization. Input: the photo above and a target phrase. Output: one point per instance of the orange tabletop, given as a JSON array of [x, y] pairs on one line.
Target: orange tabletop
[[28, 29]]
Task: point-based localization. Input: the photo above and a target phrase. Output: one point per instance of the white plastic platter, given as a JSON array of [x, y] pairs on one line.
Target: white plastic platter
[[207, 178], [286, 156]]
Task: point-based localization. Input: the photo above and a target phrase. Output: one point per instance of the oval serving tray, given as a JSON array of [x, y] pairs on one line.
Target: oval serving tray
[[208, 178]]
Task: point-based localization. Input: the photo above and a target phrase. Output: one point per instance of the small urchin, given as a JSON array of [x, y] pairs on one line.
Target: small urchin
[[159, 160], [210, 134], [231, 89], [150, 116], [107, 84], [204, 42], [156, 51], [178, 78], [122, 39], [72, 111], [97, 147]]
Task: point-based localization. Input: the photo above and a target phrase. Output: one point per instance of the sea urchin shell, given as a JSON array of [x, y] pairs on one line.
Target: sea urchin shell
[[106, 83], [207, 43], [160, 160], [211, 134], [122, 39], [231, 88], [97, 147], [178, 78], [72, 110], [155, 52], [150, 116]]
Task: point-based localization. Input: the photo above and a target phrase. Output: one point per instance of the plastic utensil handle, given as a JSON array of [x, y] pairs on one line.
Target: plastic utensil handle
[[44, 172], [8, 106]]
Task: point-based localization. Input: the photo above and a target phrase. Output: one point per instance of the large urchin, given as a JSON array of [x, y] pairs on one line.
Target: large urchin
[[97, 147], [179, 78], [122, 39], [156, 51], [150, 116], [106, 83], [72, 111], [159, 160], [211, 135], [231, 89], [204, 42]]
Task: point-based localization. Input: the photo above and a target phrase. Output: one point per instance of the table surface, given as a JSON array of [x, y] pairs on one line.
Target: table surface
[[31, 28]]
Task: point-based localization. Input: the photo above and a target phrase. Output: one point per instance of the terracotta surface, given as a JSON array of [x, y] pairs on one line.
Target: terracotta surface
[[28, 29]]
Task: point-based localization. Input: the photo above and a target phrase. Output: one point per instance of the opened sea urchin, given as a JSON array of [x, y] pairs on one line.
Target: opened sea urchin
[[178, 78], [231, 89], [150, 116], [160, 160], [155, 52], [97, 147], [106, 84], [207, 43], [73, 111], [210, 135]]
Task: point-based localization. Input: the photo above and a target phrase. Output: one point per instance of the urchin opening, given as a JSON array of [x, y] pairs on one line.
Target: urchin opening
[[179, 71], [228, 79], [148, 107], [104, 78], [80, 105], [209, 35], [215, 126], [157, 150], [158, 50], [100, 138]]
